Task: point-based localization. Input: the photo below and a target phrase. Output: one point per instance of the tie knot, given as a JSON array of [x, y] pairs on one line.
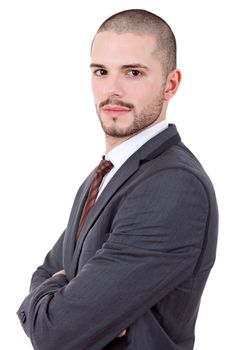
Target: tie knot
[[104, 167]]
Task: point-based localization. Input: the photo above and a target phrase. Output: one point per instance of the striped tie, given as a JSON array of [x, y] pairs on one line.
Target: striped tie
[[102, 169]]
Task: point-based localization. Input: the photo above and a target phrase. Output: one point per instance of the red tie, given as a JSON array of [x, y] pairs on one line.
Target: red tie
[[102, 169]]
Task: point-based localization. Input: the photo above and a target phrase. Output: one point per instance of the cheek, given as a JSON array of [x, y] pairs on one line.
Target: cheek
[[143, 97], [142, 89], [94, 89], [98, 91]]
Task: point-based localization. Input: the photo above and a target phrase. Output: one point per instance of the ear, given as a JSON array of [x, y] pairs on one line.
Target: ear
[[172, 84]]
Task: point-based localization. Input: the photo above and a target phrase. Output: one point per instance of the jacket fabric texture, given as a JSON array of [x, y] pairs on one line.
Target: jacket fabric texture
[[141, 262]]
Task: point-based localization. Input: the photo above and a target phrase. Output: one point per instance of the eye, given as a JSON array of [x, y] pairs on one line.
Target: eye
[[134, 73], [100, 72]]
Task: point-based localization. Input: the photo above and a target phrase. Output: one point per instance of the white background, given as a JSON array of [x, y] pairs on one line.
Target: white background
[[48, 118]]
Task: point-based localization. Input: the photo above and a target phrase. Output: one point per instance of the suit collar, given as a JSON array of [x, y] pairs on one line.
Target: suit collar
[[159, 143], [119, 154]]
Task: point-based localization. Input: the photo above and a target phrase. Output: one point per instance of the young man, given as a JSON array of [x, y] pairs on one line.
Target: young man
[[130, 268]]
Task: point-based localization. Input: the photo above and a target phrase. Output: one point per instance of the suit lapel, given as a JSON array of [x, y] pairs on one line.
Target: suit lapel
[[148, 151], [114, 184], [72, 227]]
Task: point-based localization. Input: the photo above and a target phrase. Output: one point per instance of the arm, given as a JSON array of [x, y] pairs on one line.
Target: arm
[[154, 245], [52, 264]]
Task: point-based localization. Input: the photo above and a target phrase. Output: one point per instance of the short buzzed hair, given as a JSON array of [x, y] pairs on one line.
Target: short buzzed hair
[[142, 22]]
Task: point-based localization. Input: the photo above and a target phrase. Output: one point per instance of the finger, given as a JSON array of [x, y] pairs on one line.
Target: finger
[[122, 333], [61, 272]]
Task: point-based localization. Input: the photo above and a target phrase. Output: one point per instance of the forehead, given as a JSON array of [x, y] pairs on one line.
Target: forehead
[[110, 47]]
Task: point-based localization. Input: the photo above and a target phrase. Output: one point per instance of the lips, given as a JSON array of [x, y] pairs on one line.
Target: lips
[[114, 111], [112, 108]]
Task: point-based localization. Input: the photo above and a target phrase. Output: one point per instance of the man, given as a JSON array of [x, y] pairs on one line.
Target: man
[[130, 268]]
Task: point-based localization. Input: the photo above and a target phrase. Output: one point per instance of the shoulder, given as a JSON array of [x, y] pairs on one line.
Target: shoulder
[[174, 174], [177, 165]]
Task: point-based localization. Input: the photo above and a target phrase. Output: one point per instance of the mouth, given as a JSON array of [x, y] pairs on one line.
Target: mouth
[[115, 110]]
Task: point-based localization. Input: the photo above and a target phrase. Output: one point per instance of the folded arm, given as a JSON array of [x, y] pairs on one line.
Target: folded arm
[[154, 245], [52, 264]]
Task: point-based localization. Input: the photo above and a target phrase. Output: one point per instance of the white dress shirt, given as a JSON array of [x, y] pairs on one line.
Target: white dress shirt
[[122, 152]]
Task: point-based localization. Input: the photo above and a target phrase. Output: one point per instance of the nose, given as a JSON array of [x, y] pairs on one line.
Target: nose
[[113, 86]]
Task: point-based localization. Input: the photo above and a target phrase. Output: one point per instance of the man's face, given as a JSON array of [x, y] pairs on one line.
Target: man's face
[[127, 82]]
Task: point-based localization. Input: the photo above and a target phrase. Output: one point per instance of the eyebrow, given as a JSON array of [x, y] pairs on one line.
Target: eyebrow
[[125, 66]]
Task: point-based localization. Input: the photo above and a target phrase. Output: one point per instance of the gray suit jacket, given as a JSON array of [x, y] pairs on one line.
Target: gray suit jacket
[[141, 262]]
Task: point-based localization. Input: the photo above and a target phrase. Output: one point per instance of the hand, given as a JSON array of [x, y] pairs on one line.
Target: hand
[[122, 334], [61, 272]]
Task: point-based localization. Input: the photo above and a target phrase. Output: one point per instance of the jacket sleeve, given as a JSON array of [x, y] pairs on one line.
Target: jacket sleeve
[[154, 245], [53, 262]]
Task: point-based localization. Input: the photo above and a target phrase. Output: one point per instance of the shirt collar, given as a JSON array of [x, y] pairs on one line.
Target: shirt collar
[[122, 152]]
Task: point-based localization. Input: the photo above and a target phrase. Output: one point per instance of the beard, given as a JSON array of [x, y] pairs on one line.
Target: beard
[[146, 117]]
